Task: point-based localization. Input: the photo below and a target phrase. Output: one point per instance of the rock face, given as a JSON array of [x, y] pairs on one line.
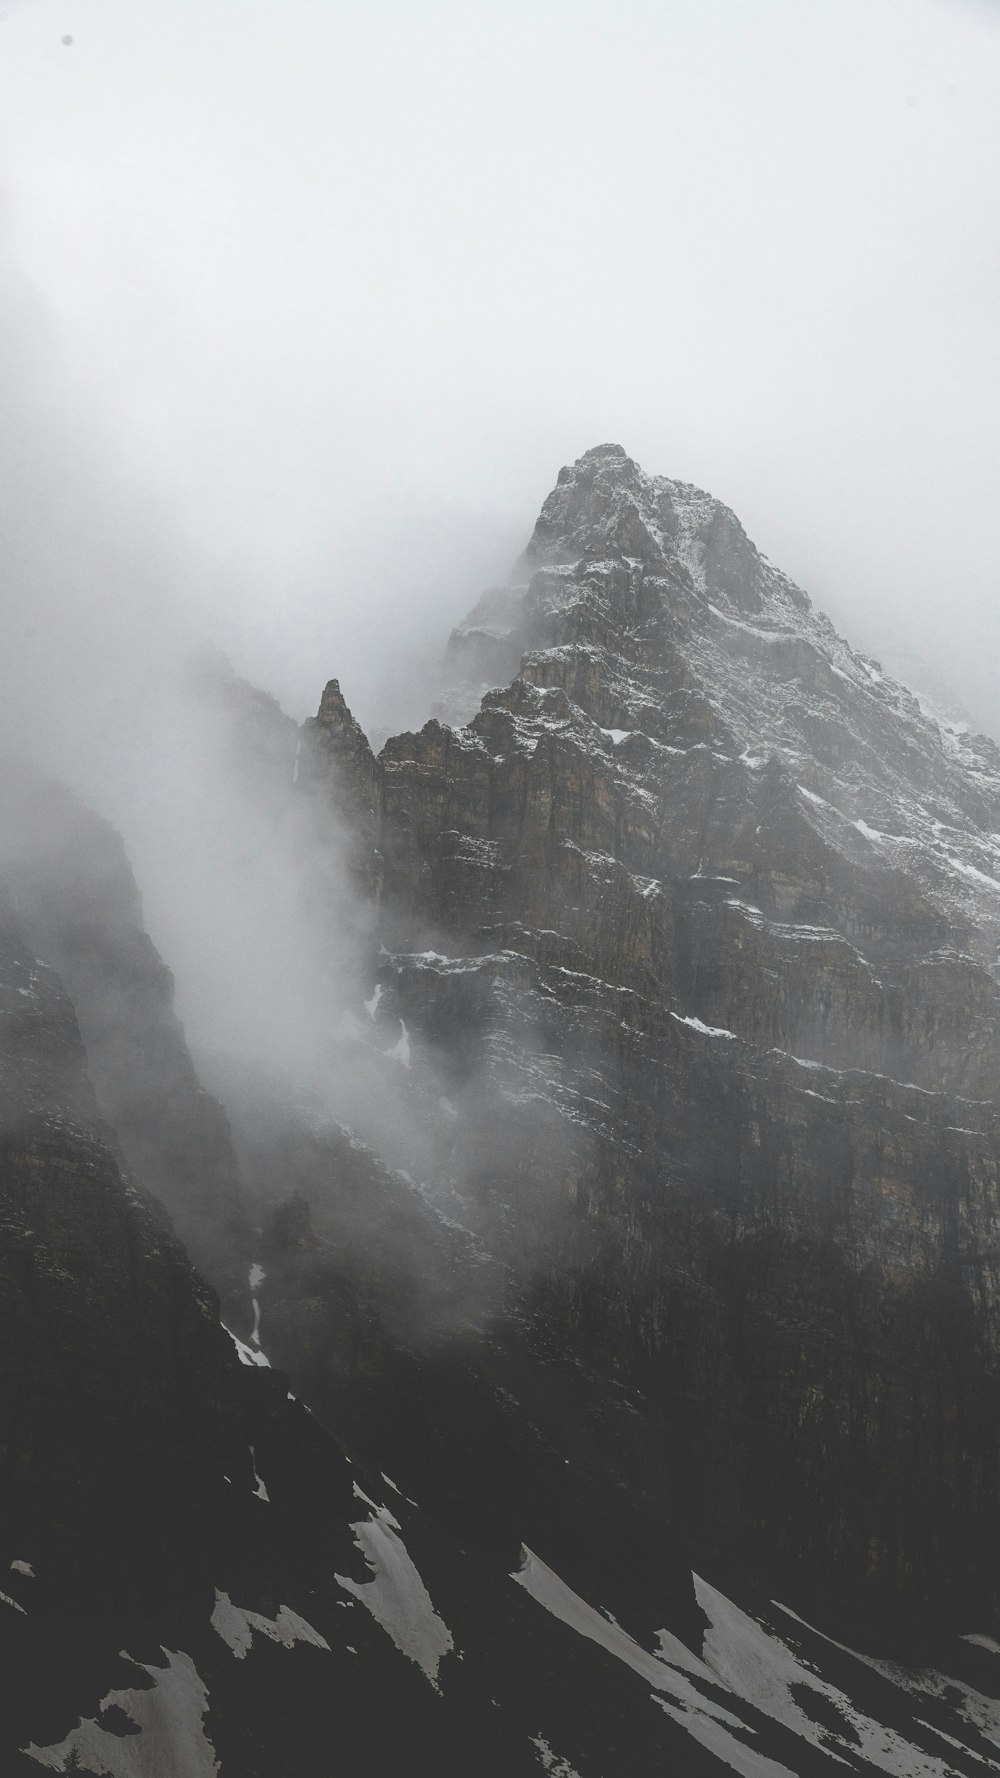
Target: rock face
[[124, 1409], [697, 922], [197, 1584], [195, 1579], [657, 1265]]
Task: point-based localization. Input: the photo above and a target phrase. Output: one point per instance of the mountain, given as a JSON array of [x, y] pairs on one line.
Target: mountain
[[645, 1232], [696, 921]]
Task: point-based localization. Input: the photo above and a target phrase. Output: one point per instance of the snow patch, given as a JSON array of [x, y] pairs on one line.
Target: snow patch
[[359, 1494], [171, 1742], [238, 1627], [706, 1030], [711, 1735], [6, 1599], [257, 1275], [760, 1667], [400, 1051], [549, 1591], [556, 1767], [974, 875], [246, 1354], [982, 1712], [20, 1567], [811, 797], [397, 1597], [396, 1490], [977, 1709], [988, 1642], [709, 1723], [371, 1006], [260, 1491]]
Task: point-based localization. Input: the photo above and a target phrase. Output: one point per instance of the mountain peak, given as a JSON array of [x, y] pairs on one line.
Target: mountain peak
[[606, 506], [602, 452]]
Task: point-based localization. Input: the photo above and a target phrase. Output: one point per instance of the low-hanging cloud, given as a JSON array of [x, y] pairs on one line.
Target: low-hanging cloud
[[109, 684]]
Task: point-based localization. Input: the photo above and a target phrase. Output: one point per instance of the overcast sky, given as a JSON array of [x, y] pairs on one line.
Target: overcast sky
[[335, 289]]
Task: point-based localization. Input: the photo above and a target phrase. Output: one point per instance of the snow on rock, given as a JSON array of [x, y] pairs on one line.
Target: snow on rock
[[171, 1742], [754, 1665], [397, 1597], [811, 796], [359, 1494], [546, 1588], [988, 1642], [5, 1599], [232, 1624], [247, 1354], [761, 1668], [708, 1722], [256, 1276], [706, 1030], [556, 1767], [981, 1712], [238, 1627], [396, 1490], [974, 875], [260, 1491], [710, 1734]]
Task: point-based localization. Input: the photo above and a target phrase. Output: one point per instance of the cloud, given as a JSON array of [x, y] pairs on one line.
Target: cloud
[[302, 311], [348, 284]]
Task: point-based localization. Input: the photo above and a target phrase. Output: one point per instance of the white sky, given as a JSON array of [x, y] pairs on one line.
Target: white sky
[[340, 286]]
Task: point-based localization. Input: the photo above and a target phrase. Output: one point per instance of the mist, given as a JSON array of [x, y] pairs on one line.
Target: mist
[[303, 309], [346, 285]]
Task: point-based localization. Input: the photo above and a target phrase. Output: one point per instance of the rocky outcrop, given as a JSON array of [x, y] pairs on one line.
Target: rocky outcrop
[[336, 765]]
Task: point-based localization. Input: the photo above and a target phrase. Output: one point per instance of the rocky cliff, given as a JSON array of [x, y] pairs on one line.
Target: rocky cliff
[[640, 1223], [696, 923]]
